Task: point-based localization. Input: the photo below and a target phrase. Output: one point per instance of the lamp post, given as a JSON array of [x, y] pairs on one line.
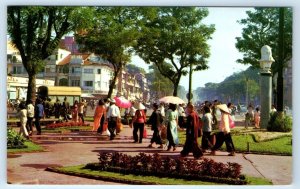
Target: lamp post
[[265, 85]]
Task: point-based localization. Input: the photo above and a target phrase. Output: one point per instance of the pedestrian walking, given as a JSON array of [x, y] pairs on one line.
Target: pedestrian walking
[[192, 128], [207, 120], [100, 112], [224, 132], [30, 115], [81, 107], [249, 116], [38, 114], [57, 108], [22, 114], [138, 123], [257, 118], [113, 115], [155, 121], [75, 111], [65, 109], [172, 123]]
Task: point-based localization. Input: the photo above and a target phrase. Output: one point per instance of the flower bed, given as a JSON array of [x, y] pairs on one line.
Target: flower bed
[[143, 164], [65, 124]]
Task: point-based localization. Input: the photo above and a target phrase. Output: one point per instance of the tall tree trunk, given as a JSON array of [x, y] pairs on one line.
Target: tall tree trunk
[[31, 90], [280, 61], [113, 82], [176, 84]]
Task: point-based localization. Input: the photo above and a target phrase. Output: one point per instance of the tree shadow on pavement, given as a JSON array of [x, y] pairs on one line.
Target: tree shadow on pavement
[[41, 166]]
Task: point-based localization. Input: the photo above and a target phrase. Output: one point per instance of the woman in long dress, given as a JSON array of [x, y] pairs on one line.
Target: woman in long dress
[[99, 112], [192, 128], [172, 123]]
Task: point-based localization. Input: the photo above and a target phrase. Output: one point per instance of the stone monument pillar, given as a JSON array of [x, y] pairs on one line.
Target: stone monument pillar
[[265, 85]]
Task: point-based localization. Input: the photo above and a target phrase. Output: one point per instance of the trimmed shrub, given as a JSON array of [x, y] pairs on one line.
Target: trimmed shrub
[[280, 122], [14, 140], [143, 164]]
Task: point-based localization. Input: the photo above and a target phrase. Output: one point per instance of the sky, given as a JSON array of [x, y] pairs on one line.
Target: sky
[[222, 61]]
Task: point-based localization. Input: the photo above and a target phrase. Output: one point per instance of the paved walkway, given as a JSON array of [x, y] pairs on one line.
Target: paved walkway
[[29, 168]]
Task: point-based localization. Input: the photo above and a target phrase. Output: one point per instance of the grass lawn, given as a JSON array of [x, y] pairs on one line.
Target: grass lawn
[[31, 147], [158, 180], [262, 142]]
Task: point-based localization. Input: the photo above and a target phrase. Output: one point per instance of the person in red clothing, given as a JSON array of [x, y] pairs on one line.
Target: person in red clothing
[[138, 123], [192, 128]]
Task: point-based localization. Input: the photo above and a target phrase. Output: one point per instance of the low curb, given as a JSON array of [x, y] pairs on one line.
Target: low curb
[[104, 178]]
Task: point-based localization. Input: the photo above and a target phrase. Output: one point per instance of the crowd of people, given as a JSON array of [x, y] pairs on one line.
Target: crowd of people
[[165, 121], [31, 113]]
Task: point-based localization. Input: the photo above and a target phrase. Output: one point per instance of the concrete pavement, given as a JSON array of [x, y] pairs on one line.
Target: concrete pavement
[[29, 168]]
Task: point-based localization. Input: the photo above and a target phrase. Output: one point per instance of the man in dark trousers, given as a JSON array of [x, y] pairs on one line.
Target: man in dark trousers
[[38, 114], [113, 115], [155, 120]]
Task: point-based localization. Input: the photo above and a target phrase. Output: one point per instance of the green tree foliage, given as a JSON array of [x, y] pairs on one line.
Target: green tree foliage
[[261, 27], [36, 32], [173, 38], [131, 68], [111, 33], [233, 88], [159, 85]]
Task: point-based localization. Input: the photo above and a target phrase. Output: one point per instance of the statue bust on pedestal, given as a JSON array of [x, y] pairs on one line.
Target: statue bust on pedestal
[[266, 59]]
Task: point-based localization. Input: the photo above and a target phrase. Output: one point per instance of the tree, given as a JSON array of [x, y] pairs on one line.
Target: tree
[[159, 85], [233, 88], [262, 27], [173, 38], [131, 68], [110, 33], [36, 33]]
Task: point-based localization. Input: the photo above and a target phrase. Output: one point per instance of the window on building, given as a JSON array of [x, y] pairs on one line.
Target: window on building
[[76, 70], [88, 83], [75, 83], [17, 70], [88, 71], [99, 71]]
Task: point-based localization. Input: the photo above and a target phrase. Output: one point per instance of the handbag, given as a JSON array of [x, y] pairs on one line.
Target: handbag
[[231, 122], [145, 133]]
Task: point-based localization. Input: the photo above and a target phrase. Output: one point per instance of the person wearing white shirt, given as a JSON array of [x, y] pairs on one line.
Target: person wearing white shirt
[[113, 115], [30, 115]]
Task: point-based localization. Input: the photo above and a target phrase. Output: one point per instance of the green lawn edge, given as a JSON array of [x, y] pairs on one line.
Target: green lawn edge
[[31, 147], [280, 145], [141, 180]]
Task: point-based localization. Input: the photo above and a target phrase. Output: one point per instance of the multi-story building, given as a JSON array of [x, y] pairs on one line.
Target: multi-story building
[[134, 86], [92, 73], [88, 71], [14, 61], [50, 71]]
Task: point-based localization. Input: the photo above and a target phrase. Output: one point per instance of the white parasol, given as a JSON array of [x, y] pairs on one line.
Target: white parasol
[[171, 99]]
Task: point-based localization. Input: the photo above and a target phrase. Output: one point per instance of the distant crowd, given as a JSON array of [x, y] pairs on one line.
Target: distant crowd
[[165, 121]]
